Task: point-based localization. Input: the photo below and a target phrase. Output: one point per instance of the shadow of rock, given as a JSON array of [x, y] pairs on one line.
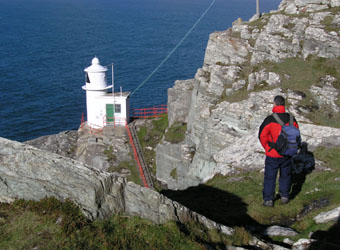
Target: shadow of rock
[[217, 205], [327, 239]]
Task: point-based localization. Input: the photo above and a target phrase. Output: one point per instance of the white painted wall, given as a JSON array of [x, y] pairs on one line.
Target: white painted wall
[[97, 98]]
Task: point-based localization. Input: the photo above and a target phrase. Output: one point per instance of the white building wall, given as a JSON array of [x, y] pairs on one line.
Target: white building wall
[[96, 110], [97, 97]]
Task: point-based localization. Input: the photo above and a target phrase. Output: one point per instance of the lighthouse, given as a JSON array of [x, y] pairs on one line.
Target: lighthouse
[[104, 108]]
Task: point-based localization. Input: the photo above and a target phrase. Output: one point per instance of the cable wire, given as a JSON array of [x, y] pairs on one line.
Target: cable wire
[[175, 48]]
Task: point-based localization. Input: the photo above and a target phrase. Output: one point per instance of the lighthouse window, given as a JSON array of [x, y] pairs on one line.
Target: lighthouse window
[[118, 108], [87, 78]]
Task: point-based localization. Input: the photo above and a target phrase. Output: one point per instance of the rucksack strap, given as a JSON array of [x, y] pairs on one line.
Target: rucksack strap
[[277, 118], [291, 119]]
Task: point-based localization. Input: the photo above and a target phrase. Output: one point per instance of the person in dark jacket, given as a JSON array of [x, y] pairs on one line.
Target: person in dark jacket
[[269, 131]]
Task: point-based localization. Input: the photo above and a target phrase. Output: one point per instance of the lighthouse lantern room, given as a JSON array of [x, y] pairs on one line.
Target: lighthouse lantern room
[[104, 108]]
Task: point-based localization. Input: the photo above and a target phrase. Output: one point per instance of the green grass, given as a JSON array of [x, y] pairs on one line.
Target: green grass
[[176, 133], [111, 157], [173, 173], [249, 191], [329, 26], [130, 165], [260, 22], [150, 136], [50, 224], [303, 74]]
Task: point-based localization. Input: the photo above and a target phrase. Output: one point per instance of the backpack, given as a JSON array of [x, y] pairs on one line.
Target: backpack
[[303, 162], [289, 140]]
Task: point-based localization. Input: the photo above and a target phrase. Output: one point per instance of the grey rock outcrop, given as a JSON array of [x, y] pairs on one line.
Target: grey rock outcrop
[[32, 174], [280, 231], [302, 244], [260, 244], [100, 150], [220, 140], [298, 6], [327, 94], [333, 215], [173, 161], [217, 129], [63, 143], [179, 98], [29, 173]]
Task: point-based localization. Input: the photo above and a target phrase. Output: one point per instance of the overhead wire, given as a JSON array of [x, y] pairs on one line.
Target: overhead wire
[[175, 48]]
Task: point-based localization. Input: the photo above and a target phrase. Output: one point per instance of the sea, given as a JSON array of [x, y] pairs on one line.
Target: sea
[[45, 45]]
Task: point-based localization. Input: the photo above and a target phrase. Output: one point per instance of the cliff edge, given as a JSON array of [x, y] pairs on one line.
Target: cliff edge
[[294, 52]]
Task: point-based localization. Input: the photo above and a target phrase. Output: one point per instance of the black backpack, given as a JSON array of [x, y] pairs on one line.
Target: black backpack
[[303, 162], [289, 140]]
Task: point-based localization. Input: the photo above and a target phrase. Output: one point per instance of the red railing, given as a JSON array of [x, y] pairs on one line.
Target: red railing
[[156, 111], [136, 157], [113, 121], [95, 129]]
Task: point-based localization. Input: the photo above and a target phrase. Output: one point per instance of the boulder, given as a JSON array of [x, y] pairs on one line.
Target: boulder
[[333, 215], [280, 231], [302, 244]]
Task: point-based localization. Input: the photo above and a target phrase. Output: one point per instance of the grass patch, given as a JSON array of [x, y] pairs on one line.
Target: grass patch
[[260, 22], [130, 165], [111, 157], [149, 136], [302, 75], [317, 192], [50, 224], [176, 133], [329, 25], [134, 175], [173, 173], [334, 10]]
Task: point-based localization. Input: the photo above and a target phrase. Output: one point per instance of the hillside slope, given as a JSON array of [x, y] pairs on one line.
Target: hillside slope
[[294, 52]]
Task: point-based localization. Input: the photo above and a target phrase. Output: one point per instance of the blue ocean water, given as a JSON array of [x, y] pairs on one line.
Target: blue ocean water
[[46, 44]]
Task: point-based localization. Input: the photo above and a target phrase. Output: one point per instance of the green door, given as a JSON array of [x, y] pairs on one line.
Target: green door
[[109, 112]]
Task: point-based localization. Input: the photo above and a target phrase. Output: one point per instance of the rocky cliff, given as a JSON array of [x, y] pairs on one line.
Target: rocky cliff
[[29, 173], [294, 52]]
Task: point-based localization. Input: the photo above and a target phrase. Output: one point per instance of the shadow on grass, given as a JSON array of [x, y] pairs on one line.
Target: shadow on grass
[[327, 239], [303, 164], [217, 205], [297, 183]]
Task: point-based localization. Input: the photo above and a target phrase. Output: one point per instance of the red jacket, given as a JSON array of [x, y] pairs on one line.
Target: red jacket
[[270, 130]]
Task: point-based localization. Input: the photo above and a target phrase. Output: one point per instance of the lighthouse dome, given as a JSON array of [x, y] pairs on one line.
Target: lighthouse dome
[[95, 67], [95, 60]]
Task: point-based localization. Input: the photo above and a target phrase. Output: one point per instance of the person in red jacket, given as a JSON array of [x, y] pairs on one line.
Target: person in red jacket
[[269, 131]]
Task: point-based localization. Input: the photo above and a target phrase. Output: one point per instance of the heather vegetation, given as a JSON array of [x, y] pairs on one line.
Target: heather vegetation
[[50, 224]]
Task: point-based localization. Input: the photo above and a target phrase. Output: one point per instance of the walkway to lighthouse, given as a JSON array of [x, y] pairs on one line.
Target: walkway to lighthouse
[[138, 155], [132, 137]]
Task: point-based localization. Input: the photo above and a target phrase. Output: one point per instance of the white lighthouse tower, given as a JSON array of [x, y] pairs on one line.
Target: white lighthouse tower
[[103, 108]]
